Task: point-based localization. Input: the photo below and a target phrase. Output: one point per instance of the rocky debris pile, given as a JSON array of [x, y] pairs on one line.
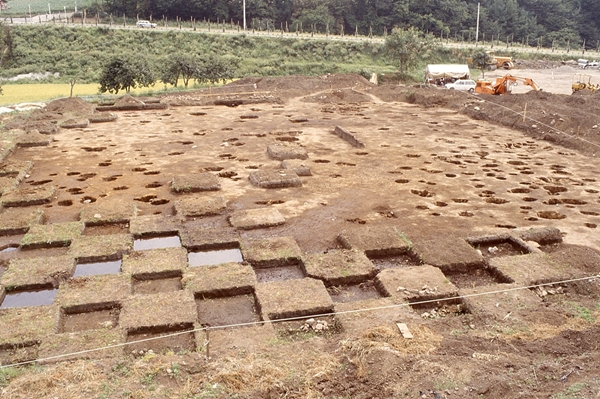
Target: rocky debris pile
[[424, 291], [442, 311], [549, 290], [315, 325]]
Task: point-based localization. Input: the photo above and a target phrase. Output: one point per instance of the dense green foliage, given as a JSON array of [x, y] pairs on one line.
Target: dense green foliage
[[204, 69], [405, 46], [560, 21], [481, 59], [83, 52], [125, 74]]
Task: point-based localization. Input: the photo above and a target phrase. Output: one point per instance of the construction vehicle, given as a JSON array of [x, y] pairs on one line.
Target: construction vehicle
[[583, 82], [503, 85], [497, 62], [503, 62]]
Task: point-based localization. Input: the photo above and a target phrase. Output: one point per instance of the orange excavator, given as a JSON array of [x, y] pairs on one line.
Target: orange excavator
[[503, 85]]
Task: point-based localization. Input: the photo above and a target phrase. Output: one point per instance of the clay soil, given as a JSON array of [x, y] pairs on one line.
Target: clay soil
[[431, 162]]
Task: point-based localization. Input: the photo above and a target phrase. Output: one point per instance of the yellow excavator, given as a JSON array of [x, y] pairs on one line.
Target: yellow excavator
[[583, 82], [503, 85], [496, 62]]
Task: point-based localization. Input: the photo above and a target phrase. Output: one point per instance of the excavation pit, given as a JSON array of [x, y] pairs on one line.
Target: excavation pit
[[144, 244], [404, 260], [227, 311], [156, 284], [215, 257], [21, 299], [104, 317], [97, 268], [279, 273], [476, 278], [177, 338], [496, 246], [439, 309], [354, 292]]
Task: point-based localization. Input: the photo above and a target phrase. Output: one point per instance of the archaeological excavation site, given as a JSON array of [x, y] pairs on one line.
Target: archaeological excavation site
[[303, 237]]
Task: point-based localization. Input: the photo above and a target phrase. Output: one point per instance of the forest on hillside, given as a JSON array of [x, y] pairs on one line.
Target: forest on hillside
[[534, 22]]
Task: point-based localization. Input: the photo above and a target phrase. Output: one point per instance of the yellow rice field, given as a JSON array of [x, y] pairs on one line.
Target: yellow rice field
[[42, 92]]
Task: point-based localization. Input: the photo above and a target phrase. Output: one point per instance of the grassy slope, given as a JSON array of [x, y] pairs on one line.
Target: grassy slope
[[75, 50], [81, 52]]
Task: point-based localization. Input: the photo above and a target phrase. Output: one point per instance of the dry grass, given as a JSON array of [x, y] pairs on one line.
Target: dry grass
[[387, 338], [167, 376], [67, 380], [257, 373]]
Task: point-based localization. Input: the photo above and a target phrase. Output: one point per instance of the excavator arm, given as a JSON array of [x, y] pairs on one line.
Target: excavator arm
[[502, 85], [531, 82]]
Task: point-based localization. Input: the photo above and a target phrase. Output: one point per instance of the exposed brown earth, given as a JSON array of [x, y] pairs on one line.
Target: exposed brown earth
[[447, 210]]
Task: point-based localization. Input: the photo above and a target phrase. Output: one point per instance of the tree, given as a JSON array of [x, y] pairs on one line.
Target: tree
[[216, 69], [124, 74], [404, 45], [181, 66], [481, 60]]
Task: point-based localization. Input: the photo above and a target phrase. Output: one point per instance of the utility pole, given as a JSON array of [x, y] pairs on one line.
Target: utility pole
[[477, 29]]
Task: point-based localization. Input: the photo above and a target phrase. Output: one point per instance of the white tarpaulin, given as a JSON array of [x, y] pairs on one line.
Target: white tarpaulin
[[447, 71]]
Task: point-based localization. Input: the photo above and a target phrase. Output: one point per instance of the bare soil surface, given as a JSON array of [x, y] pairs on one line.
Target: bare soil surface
[[436, 165]]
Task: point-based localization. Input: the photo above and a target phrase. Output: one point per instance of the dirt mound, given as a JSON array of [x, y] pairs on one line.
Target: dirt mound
[[306, 83], [339, 96], [568, 120], [128, 100], [540, 64], [72, 105]]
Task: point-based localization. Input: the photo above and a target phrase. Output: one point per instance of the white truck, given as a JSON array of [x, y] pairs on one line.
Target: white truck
[[440, 74]]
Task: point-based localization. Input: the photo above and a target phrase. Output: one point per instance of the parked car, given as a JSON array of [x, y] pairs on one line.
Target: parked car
[[462, 84], [145, 24], [582, 63]]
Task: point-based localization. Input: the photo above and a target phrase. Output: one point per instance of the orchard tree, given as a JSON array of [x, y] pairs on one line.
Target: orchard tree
[[217, 69], [181, 66], [480, 60], [405, 45], [124, 74]]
